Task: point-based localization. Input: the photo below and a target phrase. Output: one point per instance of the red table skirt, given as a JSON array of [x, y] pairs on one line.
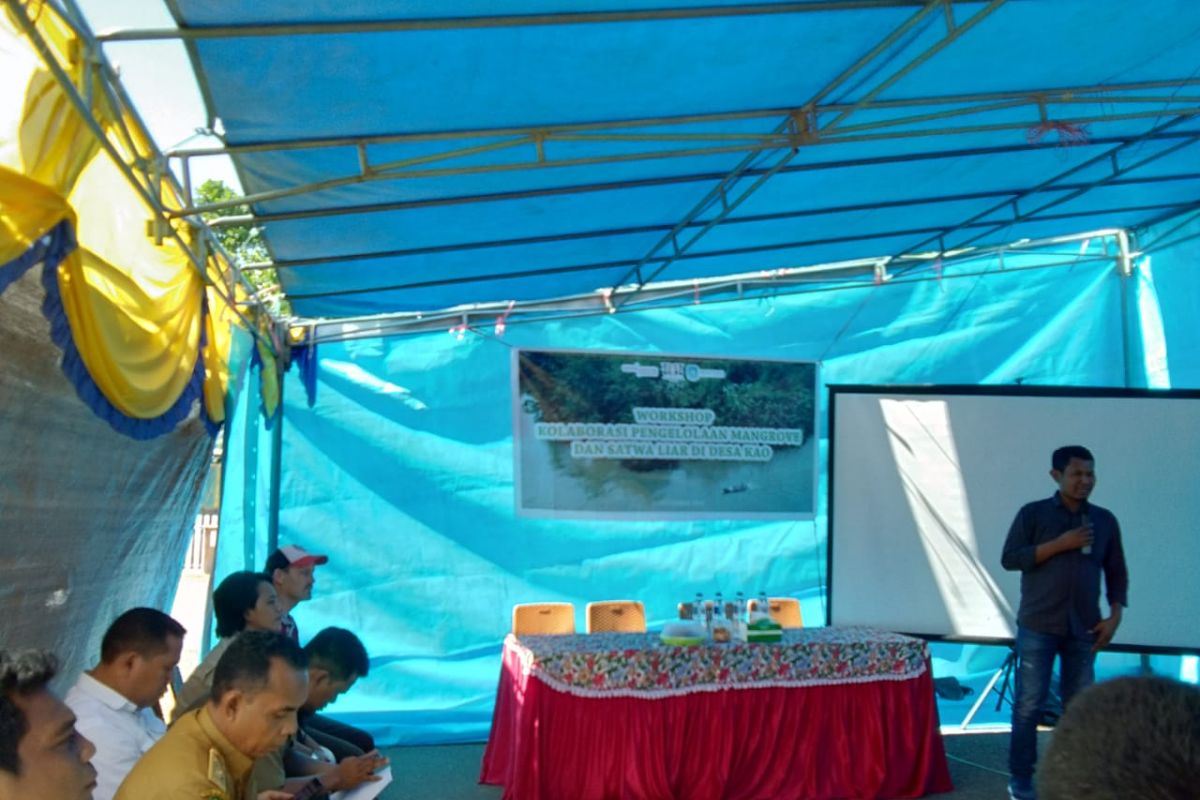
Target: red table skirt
[[863, 740]]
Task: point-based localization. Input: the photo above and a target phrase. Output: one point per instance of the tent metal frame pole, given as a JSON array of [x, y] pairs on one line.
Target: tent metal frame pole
[[276, 474], [1110, 156], [403, 169], [120, 100], [500, 21], [805, 123], [772, 277], [1180, 216], [1179, 211], [155, 168], [673, 295], [1125, 274], [751, 218], [555, 191], [1163, 243], [1069, 95], [159, 213], [722, 253]]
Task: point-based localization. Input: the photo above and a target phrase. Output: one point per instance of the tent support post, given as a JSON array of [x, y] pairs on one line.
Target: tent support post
[[276, 469], [1125, 273]]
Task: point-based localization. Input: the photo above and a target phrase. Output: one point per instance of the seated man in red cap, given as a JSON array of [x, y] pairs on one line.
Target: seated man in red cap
[[291, 570]]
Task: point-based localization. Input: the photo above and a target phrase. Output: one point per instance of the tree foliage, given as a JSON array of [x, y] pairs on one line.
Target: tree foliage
[[244, 243]]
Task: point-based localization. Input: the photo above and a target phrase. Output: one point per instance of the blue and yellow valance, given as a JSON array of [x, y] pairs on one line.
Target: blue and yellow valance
[[144, 336]]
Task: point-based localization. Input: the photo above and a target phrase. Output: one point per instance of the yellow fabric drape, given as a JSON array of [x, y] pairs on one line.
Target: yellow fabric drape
[[42, 136], [134, 307], [29, 206], [269, 378], [219, 329], [28, 210]]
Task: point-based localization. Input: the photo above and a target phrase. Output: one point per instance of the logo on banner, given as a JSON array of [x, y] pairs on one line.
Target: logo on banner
[[673, 371]]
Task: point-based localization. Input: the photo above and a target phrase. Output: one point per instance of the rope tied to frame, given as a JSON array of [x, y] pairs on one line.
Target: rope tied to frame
[[1069, 134]]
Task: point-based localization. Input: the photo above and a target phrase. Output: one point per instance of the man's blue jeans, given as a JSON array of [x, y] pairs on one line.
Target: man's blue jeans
[[1035, 664]]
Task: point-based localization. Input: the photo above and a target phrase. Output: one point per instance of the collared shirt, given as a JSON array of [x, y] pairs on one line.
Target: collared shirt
[[198, 686], [120, 730], [287, 626], [1061, 596], [193, 761]]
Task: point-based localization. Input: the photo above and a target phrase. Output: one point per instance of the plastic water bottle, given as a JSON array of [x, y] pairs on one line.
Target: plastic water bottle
[[698, 609], [718, 606], [1085, 522], [740, 608]]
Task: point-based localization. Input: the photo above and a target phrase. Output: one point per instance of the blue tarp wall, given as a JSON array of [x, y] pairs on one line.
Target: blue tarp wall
[[402, 471]]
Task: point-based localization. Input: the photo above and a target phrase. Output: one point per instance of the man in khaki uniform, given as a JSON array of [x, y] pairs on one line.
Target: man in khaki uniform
[[258, 685], [336, 659]]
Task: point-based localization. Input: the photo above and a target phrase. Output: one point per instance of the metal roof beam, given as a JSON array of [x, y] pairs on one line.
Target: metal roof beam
[[738, 286], [1049, 185], [723, 253], [809, 125], [752, 143], [1179, 210], [1077, 95], [658, 228], [497, 21], [555, 191], [591, 305], [1182, 216]]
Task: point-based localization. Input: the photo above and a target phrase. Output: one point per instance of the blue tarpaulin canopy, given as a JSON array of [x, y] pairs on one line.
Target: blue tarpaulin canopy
[[905, 191], [415, 156], [413, 161]]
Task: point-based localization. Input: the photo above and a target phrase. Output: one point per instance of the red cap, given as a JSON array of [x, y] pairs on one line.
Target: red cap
[[299, 557]]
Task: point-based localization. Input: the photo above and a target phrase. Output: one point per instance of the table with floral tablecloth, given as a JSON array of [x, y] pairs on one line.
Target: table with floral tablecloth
[[826, 712], [639, 664]]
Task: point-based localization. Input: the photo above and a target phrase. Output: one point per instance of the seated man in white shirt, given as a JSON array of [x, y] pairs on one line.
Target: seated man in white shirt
[[113, 701]]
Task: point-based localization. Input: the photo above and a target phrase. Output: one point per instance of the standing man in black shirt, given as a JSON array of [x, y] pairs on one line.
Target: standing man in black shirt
[[1061, 546]]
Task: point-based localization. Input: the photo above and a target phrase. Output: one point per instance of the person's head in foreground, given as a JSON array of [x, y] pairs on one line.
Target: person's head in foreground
[[260, 682], [336, 659], [291, 569], [42, 756], [138, 653], [246, 601], [1126, 739]]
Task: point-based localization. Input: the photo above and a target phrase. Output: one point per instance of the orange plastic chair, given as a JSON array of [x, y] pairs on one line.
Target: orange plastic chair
[[537, 619], [784, 610], [616, 616]]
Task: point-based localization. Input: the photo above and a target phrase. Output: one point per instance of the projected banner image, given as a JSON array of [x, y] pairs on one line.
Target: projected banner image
[[612, 435]]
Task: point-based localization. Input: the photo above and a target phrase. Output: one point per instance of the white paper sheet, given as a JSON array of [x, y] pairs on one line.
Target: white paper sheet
[[366, 791]]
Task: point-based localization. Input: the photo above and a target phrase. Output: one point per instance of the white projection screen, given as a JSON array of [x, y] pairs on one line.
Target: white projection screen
[[924, 483]]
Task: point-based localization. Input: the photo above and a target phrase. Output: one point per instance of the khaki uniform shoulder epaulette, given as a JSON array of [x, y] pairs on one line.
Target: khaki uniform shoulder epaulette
[[218, 776]]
